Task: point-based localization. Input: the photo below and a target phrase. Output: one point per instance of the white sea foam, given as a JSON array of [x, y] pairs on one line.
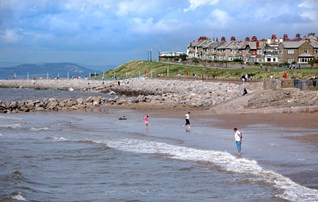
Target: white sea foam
[[39, 129], [10, 118], [12, 126], [289, 190], [59, 139], [18, 196]]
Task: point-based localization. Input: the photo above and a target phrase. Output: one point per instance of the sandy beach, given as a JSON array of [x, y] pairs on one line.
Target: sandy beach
[[287, 108], [229, 121]]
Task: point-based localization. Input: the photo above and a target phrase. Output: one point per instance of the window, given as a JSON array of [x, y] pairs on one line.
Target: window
[[290, 60], [268, 59], [316, 50], [304, 60], [290, 51], [305, 50]]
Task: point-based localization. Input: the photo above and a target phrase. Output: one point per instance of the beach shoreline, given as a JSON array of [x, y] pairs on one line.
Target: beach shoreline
[[289, 121], [218, 100]]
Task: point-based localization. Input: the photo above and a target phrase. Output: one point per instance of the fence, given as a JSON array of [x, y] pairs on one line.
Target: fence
[[306, 84], [34, 76], [291, 83]]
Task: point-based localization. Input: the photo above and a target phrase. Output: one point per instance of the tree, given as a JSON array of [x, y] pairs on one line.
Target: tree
[[312, 62], [183, 57]]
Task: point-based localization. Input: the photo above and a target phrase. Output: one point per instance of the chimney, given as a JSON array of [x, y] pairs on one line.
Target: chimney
[[274, 37], [233, 38], [223, 39], [247, 39], [254, 38], [257, 44]]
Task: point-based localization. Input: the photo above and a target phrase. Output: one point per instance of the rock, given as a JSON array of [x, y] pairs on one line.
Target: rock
[[122, 118]]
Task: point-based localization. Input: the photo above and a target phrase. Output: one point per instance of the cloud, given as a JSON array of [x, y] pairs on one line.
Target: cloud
[[310, 4], [137, 7], [310, 9], [194, 4], [218, 19], [10, 36], [88, 5], [149, 26], [135, 25], [221, 16]]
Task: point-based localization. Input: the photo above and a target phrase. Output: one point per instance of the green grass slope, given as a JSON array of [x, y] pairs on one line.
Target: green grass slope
[[156, 69]]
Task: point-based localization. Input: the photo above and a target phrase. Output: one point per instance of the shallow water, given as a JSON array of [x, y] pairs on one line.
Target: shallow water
[[93, 156], [17, 94]]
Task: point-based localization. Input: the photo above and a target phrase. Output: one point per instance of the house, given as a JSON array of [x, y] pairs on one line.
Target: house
[[198, 49], [300, 52], [273, 50], [252, 50], [289, 51]]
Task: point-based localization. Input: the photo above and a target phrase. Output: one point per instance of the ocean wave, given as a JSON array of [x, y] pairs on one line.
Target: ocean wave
[[289, 190], [39, 129], [56, 138], [17, 196], [14, 176], [10, 118], [11, 126]]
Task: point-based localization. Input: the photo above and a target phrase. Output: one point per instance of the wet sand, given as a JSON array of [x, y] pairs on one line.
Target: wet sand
[[229, 121]]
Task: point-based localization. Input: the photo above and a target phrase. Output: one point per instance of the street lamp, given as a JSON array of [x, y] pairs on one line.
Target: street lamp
[[150, 55]]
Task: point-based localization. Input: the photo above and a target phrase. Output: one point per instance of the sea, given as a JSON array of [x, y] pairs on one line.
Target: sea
[[95, 156]]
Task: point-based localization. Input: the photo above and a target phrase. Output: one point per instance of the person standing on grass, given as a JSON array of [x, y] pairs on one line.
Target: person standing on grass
[[238, 140], [187, 119]]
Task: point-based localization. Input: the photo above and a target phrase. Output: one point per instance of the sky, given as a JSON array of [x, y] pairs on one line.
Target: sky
[[112, 32]]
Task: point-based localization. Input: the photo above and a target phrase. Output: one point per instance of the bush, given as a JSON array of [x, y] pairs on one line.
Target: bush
[[196, 60], [237, 60], [312, 62], [183, 57], [284, 64]]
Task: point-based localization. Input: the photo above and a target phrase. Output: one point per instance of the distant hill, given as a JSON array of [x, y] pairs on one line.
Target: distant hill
[[51, 70]]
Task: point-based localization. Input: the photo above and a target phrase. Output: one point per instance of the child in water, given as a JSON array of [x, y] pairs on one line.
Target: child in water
[[146, 119]]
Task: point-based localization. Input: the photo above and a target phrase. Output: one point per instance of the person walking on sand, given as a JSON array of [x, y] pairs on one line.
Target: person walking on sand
[[187, 119], [238, 140], [146, 119]]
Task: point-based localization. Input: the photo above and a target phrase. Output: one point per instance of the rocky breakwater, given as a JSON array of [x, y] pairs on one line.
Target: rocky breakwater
[[53, 104], [129, 92], [76, 84], [176, 93]]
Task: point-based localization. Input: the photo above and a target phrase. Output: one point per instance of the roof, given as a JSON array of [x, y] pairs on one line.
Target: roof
[[292, 44], [314, 43], [213, 44], [253, 45], [306, 55], [232, 44], [223, 45]]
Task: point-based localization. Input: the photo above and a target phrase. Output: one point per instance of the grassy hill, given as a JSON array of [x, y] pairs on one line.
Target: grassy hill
[[154, 69]]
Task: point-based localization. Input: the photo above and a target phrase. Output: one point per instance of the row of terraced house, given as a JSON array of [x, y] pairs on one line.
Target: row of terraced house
[[273, 50]]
